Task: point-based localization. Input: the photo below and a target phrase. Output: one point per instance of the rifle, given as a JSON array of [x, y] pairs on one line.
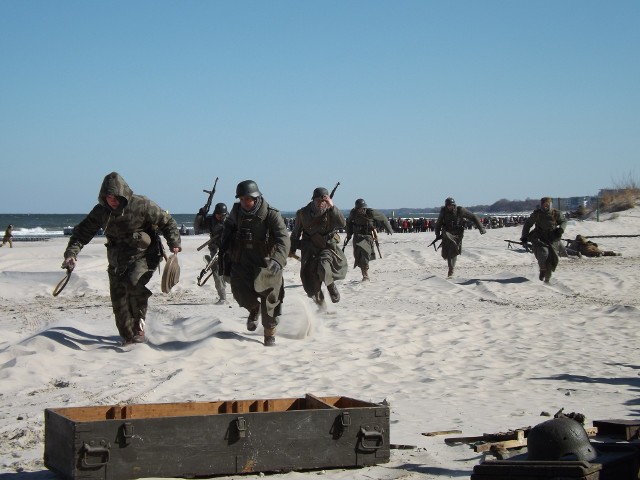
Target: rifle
[[524, 244], [346, 241], [211, 193], [334, 190], [375, 239], [434, 244], [205, 270]]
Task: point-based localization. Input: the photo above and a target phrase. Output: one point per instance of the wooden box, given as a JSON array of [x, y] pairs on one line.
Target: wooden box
[[214, 438]]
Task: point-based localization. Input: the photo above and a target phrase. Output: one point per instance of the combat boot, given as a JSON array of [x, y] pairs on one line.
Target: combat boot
[[318, 298], [450, 273], [270, 337], [542, 274], [252, 321], [547, 276], [333, 293], [138, 336], [365, 274]]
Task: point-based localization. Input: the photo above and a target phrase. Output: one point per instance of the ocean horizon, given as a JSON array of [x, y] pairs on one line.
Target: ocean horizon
[[54, 224]]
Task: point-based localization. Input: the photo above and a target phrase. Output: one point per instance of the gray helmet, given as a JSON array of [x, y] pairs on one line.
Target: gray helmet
[[360, 203], [221, 209], [248, 188], [449, 201], [319, 192], [559, 439]]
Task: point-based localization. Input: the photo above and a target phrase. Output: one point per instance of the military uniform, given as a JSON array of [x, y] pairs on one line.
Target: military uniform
[[210, 224], [132, 250], [322, 259], [361, 224], [581, 246], [450, 227], [545, 238], [253, 240]]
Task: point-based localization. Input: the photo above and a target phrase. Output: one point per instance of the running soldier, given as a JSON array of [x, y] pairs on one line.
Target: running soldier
[[545, 238], [361, 225], [322, 260], [213, 224], [450, 228], [257, 242], [131, 224]]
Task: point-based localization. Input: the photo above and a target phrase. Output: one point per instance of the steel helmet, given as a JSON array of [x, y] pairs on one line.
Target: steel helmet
[[221, 209], [360, 203], [319, 192], [248, 188], [560, 439], [449, 201]]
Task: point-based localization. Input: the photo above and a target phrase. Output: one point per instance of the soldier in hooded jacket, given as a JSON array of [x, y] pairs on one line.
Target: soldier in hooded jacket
[[315, 234], [450, 227], [361, 225], [131, 224], [213, 225], [545, 238], [257, 243]]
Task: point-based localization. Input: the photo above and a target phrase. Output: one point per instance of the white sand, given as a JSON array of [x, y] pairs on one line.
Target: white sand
[[485, 352]]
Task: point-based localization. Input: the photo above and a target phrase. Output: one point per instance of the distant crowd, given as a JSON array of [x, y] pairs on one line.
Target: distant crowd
[[423, 224]]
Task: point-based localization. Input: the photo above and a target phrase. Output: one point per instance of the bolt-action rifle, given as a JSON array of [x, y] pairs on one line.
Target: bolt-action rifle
[[207, 271], [375, 239], [434, 244], [524, 244], [204, 210], [334, 190]]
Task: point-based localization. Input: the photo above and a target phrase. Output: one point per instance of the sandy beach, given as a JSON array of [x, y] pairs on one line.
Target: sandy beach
[[486, 351]]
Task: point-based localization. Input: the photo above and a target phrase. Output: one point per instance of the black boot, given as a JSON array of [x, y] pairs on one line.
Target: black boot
[[333, 293], [252, 321]]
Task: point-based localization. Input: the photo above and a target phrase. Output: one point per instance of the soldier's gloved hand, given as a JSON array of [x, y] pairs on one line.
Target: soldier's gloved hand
[[69, 264], [482, 231], [203, 212], [273, 266]]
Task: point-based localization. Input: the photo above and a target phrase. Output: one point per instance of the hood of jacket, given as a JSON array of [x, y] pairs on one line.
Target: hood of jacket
[[114, 184]]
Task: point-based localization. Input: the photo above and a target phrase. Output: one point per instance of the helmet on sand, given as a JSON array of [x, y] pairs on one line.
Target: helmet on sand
[[449, 201], [221, 209], [360, 203], [319, 192], [560, 439], [248, 188]]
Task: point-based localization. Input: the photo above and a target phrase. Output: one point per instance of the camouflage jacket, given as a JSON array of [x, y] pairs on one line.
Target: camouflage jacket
[[122, 226]]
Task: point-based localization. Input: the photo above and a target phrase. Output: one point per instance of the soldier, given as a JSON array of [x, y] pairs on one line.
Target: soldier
[[214, 225], [257, 242], [545, 238], [131, 224], [582, 246], [450, 228], [8, 233], [322, 259], [361, 224]]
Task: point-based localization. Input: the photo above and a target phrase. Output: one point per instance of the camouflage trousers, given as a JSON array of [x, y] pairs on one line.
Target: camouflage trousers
[[129, 300]]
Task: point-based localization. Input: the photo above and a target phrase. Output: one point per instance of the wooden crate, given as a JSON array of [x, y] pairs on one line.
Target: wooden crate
[[213, 438]]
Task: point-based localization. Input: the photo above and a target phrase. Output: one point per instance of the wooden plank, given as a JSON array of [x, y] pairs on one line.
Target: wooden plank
[[315, 403]]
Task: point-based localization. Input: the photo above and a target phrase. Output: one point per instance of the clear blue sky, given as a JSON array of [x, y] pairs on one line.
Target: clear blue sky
[[404, 102]]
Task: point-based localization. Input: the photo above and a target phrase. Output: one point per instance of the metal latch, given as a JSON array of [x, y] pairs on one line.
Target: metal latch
[[345, 419], [241, 425]]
